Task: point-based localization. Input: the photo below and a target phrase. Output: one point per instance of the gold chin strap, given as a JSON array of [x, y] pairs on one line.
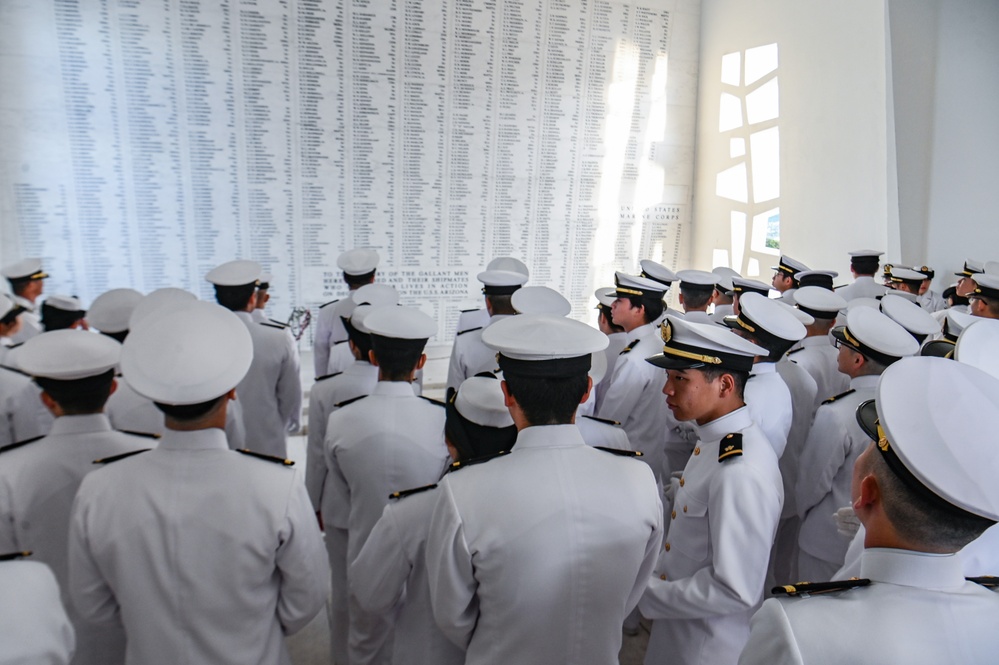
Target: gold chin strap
[[711, 360], [882, 439]]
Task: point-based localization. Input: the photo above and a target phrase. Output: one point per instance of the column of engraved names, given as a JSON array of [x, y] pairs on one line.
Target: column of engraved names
[[468, 128], [516, 126], [422, 78]]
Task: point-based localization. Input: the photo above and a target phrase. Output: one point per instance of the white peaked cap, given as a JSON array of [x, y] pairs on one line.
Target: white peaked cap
[[187, 354], [358, 261], [909, 315], [400, 323], [165, 298], [480, 400], [375, 294], [68, 355], [540, 300], [110, 312], [509, 264], [235, 273], [978, 346]]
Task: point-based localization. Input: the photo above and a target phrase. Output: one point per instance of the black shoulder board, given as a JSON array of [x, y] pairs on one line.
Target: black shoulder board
[[342, 341], [794, 351], [608, 421], [10, 556], [14, 346], [628, 348], [15, 370], [269, 458], [280, 324], [434, 402], [349, 401], [115, 458], [464, 311], [328, 376], [812, 588], [987, 581], [147, 435], [730, 446], [839, 396], [415, 490], [273, 325], [462, 332], [839, 286], [329, 303], [12, 446], [457, 466], [618, 451]]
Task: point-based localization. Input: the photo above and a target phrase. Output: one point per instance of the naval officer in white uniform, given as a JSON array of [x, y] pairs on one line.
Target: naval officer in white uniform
[[271, 391], [924, 487], [548, 572], [359, 266], [34, 627], [711, 570], [27, 282]]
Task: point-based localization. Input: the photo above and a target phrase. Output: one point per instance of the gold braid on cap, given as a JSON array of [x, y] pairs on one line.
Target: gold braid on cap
[[743, 324], [666, 331], [850, 338], [883, 443], [631, 292]]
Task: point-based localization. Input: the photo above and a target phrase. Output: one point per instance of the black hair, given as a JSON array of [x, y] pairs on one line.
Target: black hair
[[235, 298], [865, 265], [501, 304], [360, 339], [547, 400], [397, 358], [10, 317], [739, 377], [117, 336], [79, 396], [605, 312], [355, 281], [695, 297], [189, 412], [54, 318]]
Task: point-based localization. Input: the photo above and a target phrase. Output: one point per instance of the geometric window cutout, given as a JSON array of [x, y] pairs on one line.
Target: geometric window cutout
[[765, 147], [731, 69], [729, 113], [738, 229], [763, 104], [760, 61], [766, 232], [736, 148], [731, 184], [753, 269]]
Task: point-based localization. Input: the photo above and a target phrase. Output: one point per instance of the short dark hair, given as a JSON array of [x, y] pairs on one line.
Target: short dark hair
[[740, 378], [865, 265], [653, 306], [360, 339], [10, 317], [991, 305], [54, 318], [777, 346], [920, 519], [79, 396], [501, 304], [234, 298], [17, 286], [695, 298], [605, 312], [189, 412], [547, 400], [397, 358], [354, 281]]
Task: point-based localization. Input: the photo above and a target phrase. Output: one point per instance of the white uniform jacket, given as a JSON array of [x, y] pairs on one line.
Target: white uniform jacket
[[34, 628], [271, 391], [31, 322], [615, 343], [932, 301], [539, 555], [864, 286], [634, 397], [833, 445], [698, 316], [389, 577], [602, 433], [802, 388], [469, 355], [12, 381], [714, 562], [329, 331], [28, 414], [818, 357], [770, 406], [918, 610], [213, 557]]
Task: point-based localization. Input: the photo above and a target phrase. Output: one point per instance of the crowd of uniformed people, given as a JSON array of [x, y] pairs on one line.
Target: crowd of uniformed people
[[672, 470]]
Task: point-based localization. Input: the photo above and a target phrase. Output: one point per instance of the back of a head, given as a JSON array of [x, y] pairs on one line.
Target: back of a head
[[478, 423], [398, 338], [74, 367]]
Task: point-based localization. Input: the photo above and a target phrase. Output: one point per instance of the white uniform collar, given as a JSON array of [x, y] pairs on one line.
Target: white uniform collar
[[201, 439], [245, 316], [736, 421], [864, 278], [815, 340], [869, 382], [25, 303], [548, 436], [914, 569], [393, 388], [82, 424], [642, 331], [764, 368]]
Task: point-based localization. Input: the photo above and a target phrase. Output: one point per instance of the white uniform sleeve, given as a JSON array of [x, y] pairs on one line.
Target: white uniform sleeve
[[652, 549], [621, 396], [378, 575], [321, 342], [742, 534], [302, 564], [89, 591], [289, 388], [453, 585], [456, 367], [315, 459], [824, 453], [235, 430], [335, 502], [771, 641], [8, 531]]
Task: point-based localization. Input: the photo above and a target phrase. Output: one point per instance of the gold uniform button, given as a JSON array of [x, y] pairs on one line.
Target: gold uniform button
[[667, 547], [673, 515], [697, 451], [681, 482], [685, 509], [663, 577]]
